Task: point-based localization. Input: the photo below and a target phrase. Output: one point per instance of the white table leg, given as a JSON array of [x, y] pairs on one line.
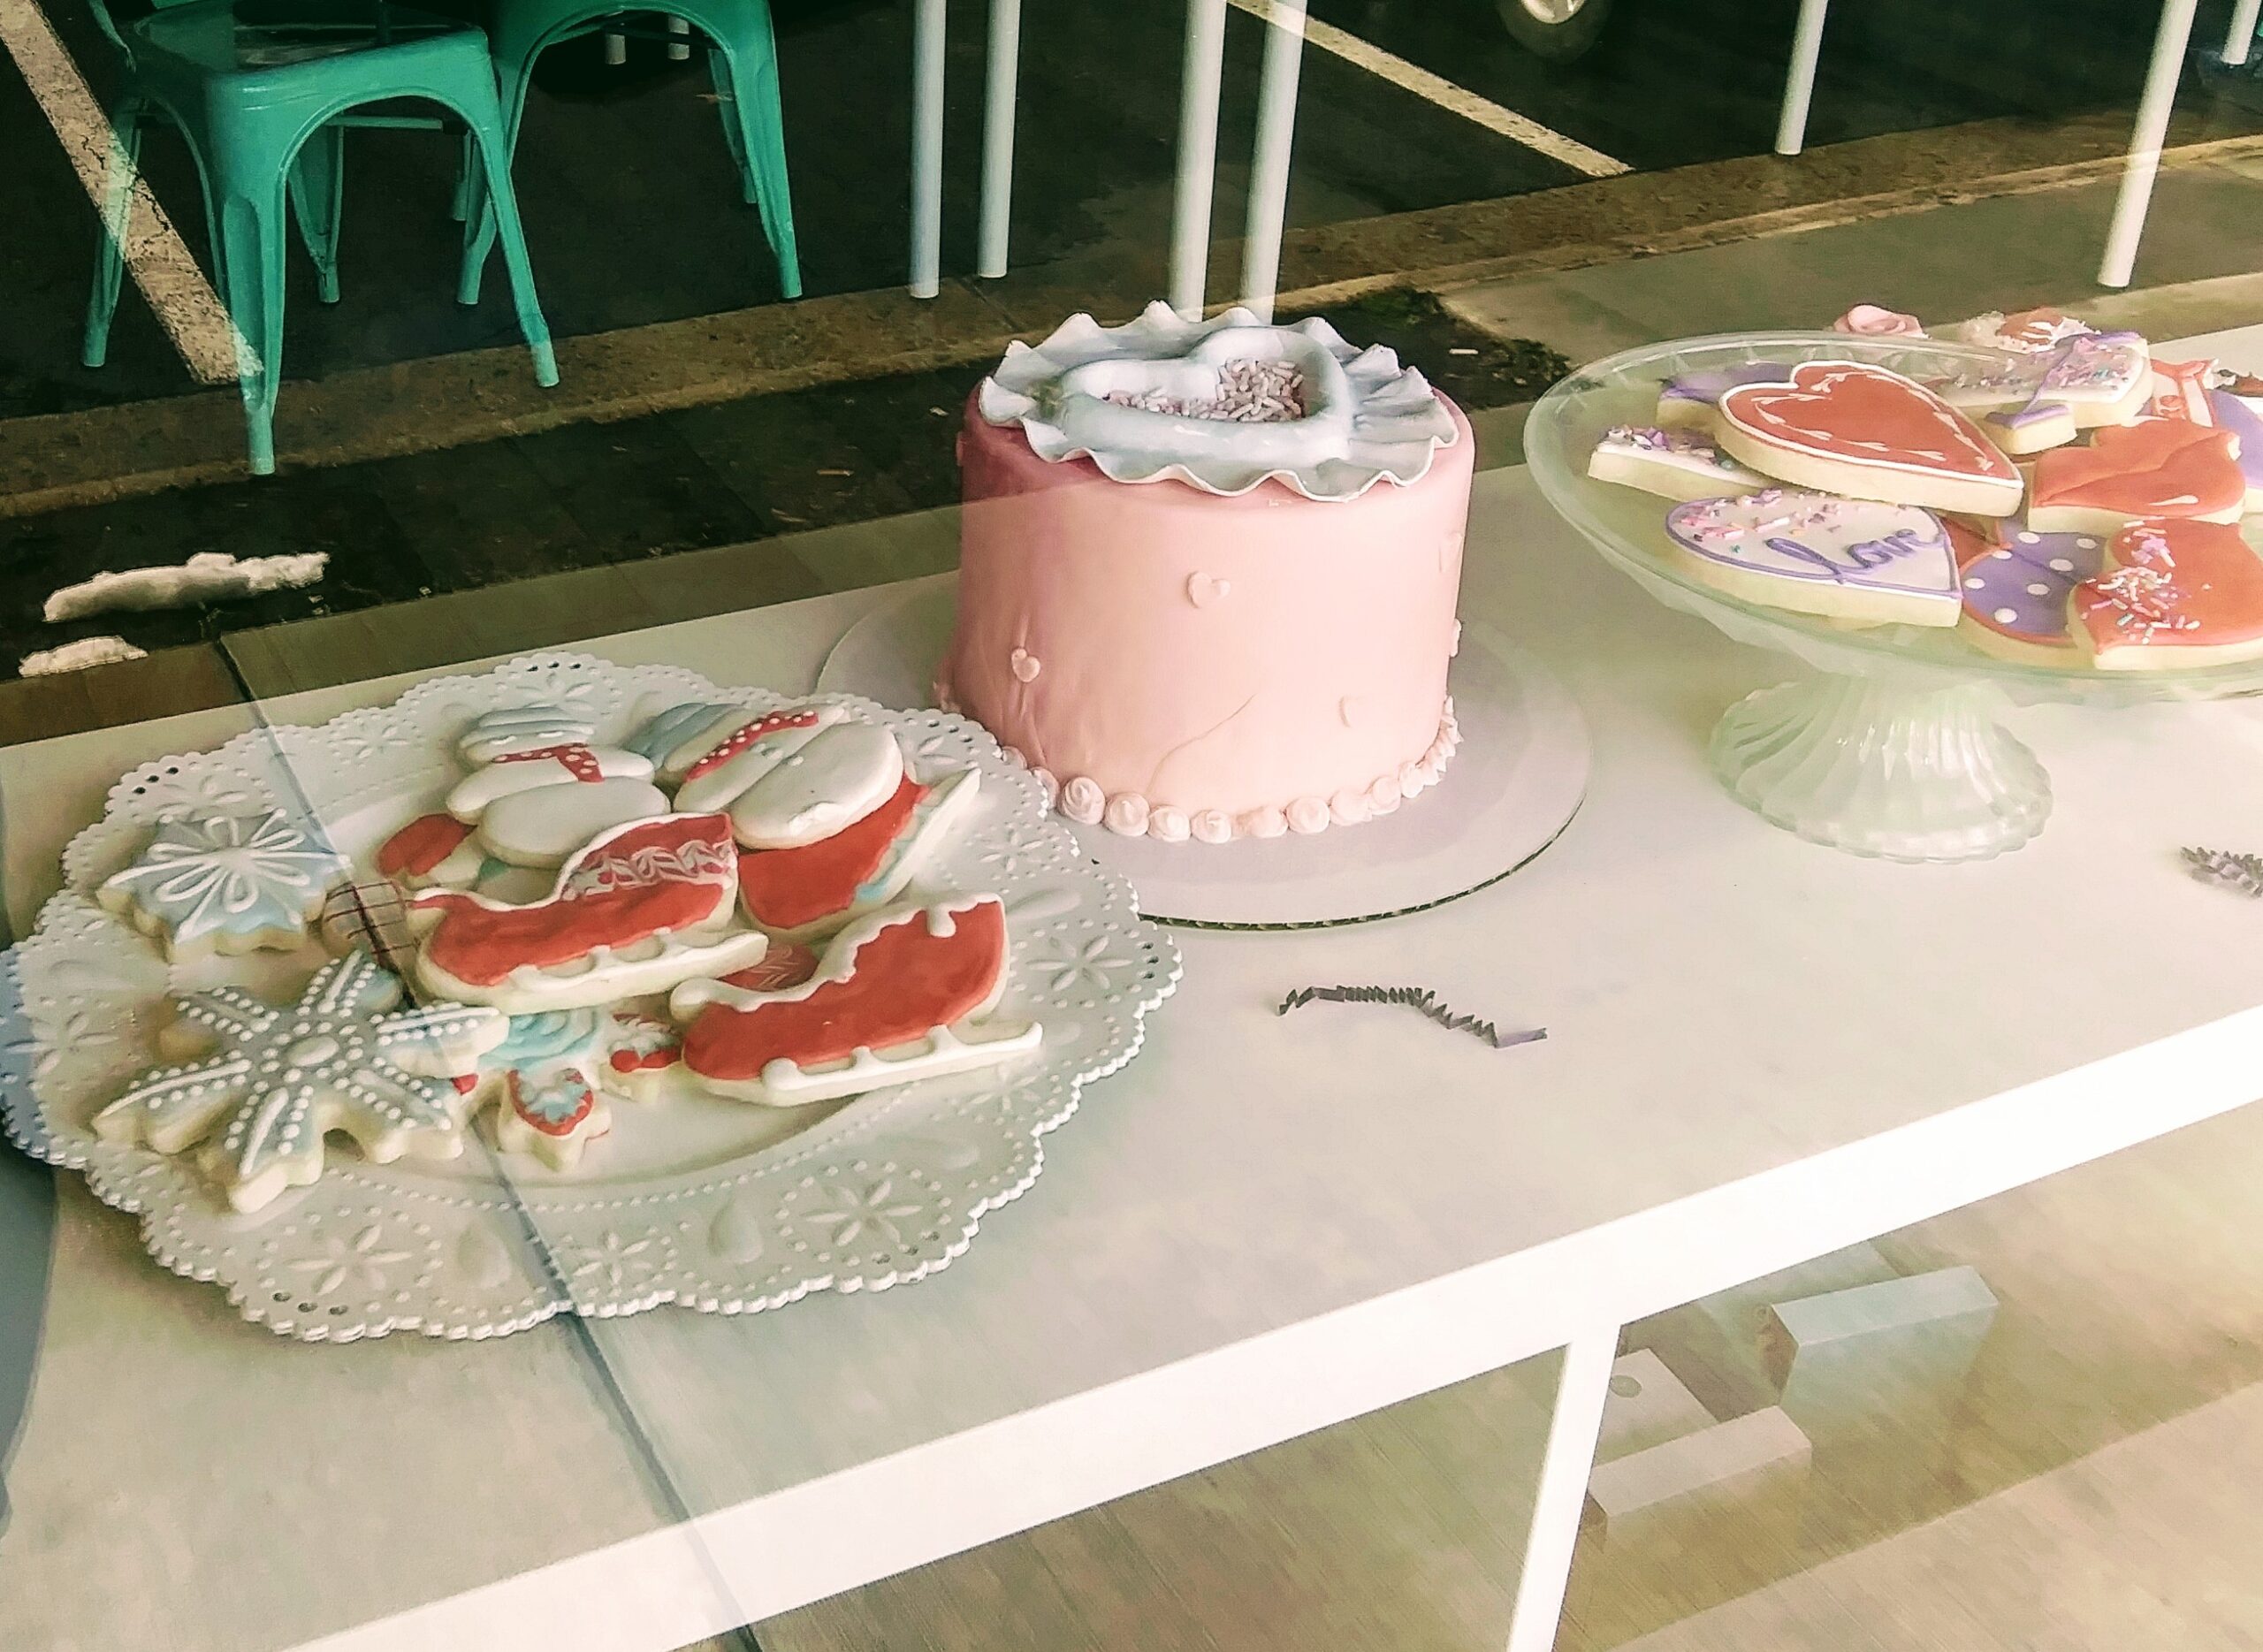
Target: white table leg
[[927, 148], [1581, 1388], [616, 48], [1799, 83], [998, 95], [2240, 40], [1269, 172], [2153, 110], [1199, 82], [679, 53]]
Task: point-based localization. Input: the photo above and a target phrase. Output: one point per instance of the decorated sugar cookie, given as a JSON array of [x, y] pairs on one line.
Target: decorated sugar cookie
[[1678, 464], [2175, 594], [811, 890], [342, 1057], [2044, 399], [2180, 391], [2155, 467], [541, 1080], [544, 790], [741, 749], [2027, 332], [434, 849], [1842, 427], [1855, 559], [792, 777], [643, 1054], [2017, 584], [641, 907], [2237, 418], [1689, 400], [676, 738], [901, 994], [221, 883]]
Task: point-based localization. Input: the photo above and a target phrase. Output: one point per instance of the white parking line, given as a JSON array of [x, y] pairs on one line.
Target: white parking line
[[188, 308], [1447, 95]]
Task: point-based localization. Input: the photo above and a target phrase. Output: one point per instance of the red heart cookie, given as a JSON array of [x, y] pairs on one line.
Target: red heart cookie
[[2154, 468], [1842, 427], [2175, 593]]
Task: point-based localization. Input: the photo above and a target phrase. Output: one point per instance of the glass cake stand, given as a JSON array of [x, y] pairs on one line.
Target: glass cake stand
[[1893, 748]]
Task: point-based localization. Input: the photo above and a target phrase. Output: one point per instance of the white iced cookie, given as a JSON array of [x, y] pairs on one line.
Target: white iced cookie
[[542, 1080], [684, 731], [542, 790], [741, 750], [1675, 464], [220, 883], [2042, 398], [1852, 560], [343, 1057], [831, 783]]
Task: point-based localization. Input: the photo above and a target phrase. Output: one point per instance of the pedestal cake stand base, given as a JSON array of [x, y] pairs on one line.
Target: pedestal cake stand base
[[1877, 768]]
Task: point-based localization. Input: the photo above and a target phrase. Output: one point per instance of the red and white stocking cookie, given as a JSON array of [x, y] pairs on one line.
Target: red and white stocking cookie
[[901, 994], [644, 907]]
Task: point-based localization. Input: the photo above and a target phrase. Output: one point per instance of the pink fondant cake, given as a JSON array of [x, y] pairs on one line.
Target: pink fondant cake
[[1196, 614]]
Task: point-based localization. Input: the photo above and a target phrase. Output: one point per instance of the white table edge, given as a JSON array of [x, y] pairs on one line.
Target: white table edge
[[785, 1549]]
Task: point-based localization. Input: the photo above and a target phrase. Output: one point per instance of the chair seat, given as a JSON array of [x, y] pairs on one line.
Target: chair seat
[[272, 37]]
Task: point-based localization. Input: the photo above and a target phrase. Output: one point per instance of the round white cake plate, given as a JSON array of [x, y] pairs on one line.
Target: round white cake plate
[[712, 1205], [1894, 749], [1512, 788]]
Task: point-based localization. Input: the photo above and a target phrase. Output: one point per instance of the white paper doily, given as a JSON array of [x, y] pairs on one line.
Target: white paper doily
[[1512, 787], [701, 1202]]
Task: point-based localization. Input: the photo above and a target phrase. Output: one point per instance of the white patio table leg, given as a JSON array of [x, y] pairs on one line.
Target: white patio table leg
[[2137, 173], [1799, 81], [927, 148], [998, 95], [680, 52], [1582, 1387], [616, 48], [1198, 83], [2239, 41], [1268, 174]]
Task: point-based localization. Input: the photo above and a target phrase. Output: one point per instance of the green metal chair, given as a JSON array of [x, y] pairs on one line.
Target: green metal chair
[[262, 90], [742, 61]]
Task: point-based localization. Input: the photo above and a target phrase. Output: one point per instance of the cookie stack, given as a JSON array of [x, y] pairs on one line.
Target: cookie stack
[[2070, 500]]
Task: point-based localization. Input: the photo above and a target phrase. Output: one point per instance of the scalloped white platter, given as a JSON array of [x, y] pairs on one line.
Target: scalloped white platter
[[1519, 777], [694, 1200]]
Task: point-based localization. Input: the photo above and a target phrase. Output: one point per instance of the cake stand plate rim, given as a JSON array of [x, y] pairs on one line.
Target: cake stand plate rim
[[1511, 790]]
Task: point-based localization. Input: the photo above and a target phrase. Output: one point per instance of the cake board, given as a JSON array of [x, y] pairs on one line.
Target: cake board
[[1512, 787]]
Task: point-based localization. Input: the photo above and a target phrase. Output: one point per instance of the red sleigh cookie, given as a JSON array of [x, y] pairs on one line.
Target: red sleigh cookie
[[1841, 427], [900, 995], [432, 849], [800, 893], [641, 907], [2155, 467], [2175, 594]]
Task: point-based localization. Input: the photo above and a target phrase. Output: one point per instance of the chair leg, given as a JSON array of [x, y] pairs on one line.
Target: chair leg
[[118, 216], [727, 105], [503, 213], [318, 196], [753, 105], [460, 208], [479, 215], [248, 245]]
